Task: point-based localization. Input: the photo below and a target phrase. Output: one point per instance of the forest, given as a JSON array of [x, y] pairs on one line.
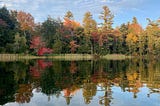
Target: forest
[[20, 34]]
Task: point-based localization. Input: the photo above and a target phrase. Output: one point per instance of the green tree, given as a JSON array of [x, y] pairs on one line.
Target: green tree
[[152, 32], [124, 32], [7, 30], [20, 43], [57, 46], [50, 31]]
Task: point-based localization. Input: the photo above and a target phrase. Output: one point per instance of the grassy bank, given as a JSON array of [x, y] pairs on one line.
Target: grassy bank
[[116, 57], [14, 57]]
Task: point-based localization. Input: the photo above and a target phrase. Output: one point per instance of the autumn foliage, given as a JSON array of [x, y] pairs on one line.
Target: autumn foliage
[[44, 50], [71, 23], [39, 46], [69, 36], [26, 21], [73, 46], [39, 67], [36, 42]]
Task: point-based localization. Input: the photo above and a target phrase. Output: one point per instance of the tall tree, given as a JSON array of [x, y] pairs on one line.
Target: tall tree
[[89, 24], [90, 29], [69, 15], [124, 32], [135, 31], [27, 25], [26, 21], [153, 34], [107, 17], [50, 31], [8, 29]]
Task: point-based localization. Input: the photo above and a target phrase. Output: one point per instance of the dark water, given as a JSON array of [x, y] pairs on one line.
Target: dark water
[[80, 83]]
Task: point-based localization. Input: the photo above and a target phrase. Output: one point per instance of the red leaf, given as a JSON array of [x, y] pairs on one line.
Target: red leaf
[[44, 50]]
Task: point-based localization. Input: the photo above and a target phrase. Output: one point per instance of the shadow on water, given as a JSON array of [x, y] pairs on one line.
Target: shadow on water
[[95, 80]]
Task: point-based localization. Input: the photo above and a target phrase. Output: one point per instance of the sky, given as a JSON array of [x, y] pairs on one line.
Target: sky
[[123, 10]]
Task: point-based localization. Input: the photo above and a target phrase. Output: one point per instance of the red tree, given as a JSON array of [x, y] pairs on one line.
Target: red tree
[[44, 50], [39, 46], [36, 42]]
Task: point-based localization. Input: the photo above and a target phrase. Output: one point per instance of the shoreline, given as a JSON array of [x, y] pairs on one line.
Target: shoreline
[[69, 57]]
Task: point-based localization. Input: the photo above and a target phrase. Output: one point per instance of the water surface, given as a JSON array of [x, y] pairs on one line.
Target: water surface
[[80, 83]]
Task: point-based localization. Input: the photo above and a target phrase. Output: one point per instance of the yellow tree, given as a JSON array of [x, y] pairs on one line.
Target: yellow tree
[[153, 37], [89, 24], [90, 28], [135, 31]]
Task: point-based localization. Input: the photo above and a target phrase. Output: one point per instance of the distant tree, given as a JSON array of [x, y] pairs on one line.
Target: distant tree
[[69, 15], [107, 17]]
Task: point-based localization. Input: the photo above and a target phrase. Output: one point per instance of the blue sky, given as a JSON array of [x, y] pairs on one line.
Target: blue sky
[[124, 10]]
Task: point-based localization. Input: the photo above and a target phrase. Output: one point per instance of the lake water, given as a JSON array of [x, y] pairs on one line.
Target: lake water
[[80, 83]]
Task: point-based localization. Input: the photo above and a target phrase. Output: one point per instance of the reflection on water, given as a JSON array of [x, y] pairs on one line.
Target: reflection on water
[[80, 83]]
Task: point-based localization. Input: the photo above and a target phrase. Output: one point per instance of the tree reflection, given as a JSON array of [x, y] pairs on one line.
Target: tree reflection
[[106, 99], [89, 90], [39, 67], [73, 67], [103, 80], [7, 84], [24, 93], [66, 78], [134, 83], [70, 92]]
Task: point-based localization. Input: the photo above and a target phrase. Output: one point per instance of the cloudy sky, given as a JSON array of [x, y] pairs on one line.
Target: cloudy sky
[[124, 10]]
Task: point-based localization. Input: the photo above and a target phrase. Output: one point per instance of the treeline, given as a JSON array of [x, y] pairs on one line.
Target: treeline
[[20, 34]]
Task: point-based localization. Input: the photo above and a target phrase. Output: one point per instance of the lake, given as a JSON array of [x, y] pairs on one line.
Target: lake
[[80, 83]]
